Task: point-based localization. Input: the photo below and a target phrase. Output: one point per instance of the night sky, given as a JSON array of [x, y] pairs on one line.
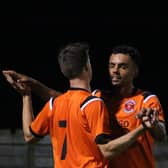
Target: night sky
[[32, 33]]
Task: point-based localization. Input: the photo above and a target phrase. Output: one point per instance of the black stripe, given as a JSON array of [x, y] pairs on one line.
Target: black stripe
[[146, 94], [87, 99], [62, 123], [36, 135], [103, 138], [64, 149]]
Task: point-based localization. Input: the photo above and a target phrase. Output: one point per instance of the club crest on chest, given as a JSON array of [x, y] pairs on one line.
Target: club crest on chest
[[129, 106]]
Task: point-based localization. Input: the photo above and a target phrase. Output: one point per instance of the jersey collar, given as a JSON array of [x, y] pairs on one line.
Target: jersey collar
[[76, 88]]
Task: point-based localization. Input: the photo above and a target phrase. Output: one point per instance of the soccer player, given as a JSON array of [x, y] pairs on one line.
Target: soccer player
[[77, 122], [124, 101]]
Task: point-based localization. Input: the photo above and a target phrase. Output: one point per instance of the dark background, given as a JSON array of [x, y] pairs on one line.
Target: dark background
[[32, 32]]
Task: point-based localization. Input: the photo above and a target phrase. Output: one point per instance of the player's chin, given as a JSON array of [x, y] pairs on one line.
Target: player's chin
[[116, 82]]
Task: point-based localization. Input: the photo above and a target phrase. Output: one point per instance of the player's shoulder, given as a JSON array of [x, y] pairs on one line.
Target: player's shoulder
[[147, 95], [89, 99]]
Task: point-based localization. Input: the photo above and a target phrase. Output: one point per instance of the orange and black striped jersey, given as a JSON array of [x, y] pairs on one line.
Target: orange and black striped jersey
[[123, 119], [75, 121]]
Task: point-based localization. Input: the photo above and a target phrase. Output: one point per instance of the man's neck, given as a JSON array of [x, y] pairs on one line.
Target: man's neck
[[79, 83], [123, 92]]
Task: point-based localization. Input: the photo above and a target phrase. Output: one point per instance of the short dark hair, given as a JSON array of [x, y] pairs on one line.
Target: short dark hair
[[131, 51], [73, 58]]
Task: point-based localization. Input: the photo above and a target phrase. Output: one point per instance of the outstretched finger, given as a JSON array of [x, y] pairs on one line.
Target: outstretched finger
[[9, 78], [155, 116], [13, 74]]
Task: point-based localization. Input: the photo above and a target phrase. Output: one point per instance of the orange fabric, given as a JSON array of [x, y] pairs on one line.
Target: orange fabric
[[74, 127], [123, 120]]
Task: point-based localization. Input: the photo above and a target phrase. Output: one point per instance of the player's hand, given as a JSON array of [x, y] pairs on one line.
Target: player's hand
[[13, 76], [149, 117], [18, 81]]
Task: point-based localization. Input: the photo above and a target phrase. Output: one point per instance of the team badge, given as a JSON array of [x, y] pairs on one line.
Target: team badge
[[129, 106]]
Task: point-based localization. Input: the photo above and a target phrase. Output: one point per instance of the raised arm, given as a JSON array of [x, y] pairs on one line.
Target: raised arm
[[27, 117], [115, 147], [15, 79], [27, 110]]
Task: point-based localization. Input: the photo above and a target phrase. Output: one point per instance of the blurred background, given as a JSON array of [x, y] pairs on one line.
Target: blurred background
[[31, 34]]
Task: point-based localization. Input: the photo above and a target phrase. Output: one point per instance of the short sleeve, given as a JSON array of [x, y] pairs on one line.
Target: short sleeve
[[97, 117], [153, 102], [41, 124]]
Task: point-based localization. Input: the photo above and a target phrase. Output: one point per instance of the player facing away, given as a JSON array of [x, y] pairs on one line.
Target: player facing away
[[77, 122]]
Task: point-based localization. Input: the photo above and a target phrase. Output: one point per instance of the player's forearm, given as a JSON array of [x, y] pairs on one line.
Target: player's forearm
[[27, 117], [159, 131], [120, 144], [43, 91]]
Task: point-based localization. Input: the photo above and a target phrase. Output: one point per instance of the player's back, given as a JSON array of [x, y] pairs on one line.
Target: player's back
[[73, 142]]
